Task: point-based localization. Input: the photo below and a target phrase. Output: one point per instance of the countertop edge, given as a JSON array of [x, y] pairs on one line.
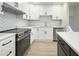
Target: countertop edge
[[68, 43]]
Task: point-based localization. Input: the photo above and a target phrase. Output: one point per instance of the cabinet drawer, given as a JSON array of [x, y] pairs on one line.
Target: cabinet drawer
[[10, 51], [60, 51], [7, 46], [65, 47], [7, 43]]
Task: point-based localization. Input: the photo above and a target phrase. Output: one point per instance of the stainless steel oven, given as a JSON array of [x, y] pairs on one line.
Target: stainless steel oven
[[23, 42]]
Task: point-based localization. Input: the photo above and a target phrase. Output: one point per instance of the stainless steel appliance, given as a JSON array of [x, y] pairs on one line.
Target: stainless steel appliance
[[23, 42]]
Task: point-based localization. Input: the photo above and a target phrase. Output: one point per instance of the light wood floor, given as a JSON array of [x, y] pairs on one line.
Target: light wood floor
[[42, 49]]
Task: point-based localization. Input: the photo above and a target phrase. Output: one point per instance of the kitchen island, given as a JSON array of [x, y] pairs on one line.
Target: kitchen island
[[68, 43]]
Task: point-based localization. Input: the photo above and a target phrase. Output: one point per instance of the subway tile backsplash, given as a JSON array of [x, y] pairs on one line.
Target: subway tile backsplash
[[10, 21], [7, 21]]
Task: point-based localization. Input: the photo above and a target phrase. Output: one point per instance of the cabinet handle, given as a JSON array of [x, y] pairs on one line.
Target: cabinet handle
[[62, 44], [9, 53], [45, 32], [37, 29], [29, 16], [7, 43]]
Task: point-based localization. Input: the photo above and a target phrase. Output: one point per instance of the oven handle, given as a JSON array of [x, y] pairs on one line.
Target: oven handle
[[26, 35]]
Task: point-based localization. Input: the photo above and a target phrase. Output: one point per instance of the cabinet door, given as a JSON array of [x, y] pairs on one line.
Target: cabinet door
[[73, 53], [26, 9], [1, 8], [41, 10], [45, 34], [7, 47], [34, 34], [49, 34], [9, 51], [42, 34], [24, 6], [11, 3], [60, 51], [45, 10], [34, 12]]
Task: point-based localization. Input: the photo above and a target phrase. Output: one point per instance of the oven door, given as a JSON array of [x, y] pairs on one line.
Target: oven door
[[22, 45]]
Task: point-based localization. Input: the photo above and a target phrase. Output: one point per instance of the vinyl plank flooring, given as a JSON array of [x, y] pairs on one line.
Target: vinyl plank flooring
[[42, 49]]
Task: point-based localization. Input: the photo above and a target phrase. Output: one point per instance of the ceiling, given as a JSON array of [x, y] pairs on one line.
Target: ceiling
[[46, 3]]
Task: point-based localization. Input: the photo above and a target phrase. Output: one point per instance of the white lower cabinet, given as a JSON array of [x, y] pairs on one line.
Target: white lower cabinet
[[7, 47], [42, 34], [8, 52], [34, 35], [45, 34]]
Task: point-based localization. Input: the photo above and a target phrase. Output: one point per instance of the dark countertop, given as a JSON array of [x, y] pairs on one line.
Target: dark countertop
[[15, 30]]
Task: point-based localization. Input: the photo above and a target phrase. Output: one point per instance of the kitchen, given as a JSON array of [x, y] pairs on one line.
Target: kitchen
[[39, 28]]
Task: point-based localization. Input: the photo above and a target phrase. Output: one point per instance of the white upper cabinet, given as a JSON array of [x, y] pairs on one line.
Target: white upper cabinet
[[34, 12], [24, 7], [57, 11], [1, 8], [12, 7], [11, 3], [20, 6], [52, 10], [45, 10], [41, 10]]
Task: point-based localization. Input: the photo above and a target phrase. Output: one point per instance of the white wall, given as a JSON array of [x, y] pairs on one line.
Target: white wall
[[72, 10], [65, 15], [74, 17]]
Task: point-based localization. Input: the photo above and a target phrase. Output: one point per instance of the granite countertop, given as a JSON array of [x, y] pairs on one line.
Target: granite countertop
[[72, 39], [5, 35]]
